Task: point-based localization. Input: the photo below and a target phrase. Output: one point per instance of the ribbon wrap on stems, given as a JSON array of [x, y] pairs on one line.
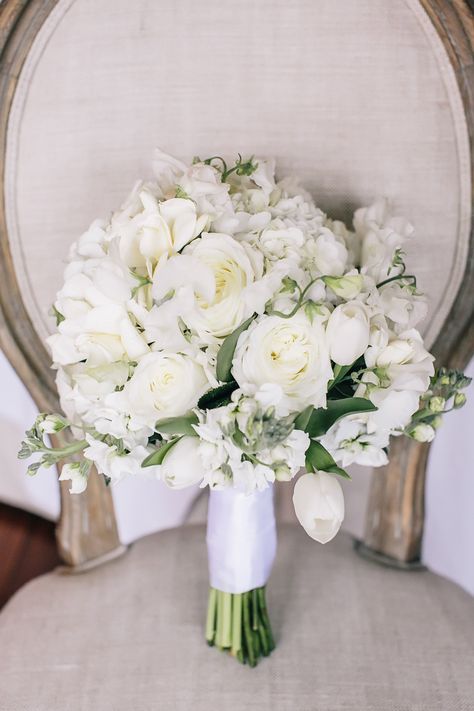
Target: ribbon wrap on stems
[[241, 539]]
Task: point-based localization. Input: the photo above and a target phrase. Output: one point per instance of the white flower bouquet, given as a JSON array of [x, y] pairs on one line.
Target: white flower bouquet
[[219, 329]]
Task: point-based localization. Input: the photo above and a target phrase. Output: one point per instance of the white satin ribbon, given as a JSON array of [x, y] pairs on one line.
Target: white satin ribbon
[[241, 539]]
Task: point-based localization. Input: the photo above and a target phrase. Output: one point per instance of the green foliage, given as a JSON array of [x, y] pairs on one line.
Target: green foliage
[[178, 425], [319, 459], [156, 458], [226, 352]]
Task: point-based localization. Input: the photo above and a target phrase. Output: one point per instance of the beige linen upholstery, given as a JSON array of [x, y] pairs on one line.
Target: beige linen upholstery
[[129, 636]]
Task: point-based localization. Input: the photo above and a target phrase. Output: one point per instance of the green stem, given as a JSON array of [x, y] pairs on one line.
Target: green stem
[[211, 616], [66, 451], [265, 618], [236, 624], [397, 278], [227, 620], [248, 631]]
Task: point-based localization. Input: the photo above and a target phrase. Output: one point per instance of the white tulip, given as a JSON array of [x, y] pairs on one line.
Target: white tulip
[[319, 505], [182, 466], [348, 332], [291, 353]]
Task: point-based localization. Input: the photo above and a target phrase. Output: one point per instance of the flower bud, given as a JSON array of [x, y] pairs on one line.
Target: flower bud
[[436, 404], [50, 424], [459, 400], [319, 505], [347, 287], [422, 432]]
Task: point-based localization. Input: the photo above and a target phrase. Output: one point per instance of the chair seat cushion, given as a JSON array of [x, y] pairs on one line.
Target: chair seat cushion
[[130, 636]]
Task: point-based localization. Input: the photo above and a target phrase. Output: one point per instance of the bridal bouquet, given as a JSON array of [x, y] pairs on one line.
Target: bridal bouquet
[[219, 329]]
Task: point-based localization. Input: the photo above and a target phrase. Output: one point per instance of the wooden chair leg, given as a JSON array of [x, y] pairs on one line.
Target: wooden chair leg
[[87, 532], [395, 512]]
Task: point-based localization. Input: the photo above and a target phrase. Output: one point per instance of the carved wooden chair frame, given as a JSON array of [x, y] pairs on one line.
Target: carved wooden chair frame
[[87, 531]]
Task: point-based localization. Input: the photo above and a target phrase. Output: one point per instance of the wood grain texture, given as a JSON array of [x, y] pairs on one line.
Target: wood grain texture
[[87, 529], [395, 514]]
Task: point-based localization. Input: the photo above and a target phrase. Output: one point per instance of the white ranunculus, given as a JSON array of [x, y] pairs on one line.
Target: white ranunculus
[[328, 253], [204, 186], [162, 385], [291, 353], [280, 242], [182, 466], [224, 267], [319, 505], [348, 332]]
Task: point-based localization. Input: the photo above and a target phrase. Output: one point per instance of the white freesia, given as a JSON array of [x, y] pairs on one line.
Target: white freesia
[[319, 505], [182, 466], [348, 332], [291, 353]]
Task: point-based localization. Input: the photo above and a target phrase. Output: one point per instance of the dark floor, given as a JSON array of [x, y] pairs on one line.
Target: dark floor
[[27, 549]]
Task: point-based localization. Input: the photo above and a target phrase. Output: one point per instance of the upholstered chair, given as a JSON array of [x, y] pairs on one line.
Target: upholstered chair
[[356, 97]]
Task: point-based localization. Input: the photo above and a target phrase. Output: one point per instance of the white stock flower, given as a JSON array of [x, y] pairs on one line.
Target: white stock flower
[[348, 332], [115, 464], [162, 385], [381, 235], [203, 184], [291, 353], [158, 230], [405, 361], [349, 442], [76, 474], [319, 505], [182, 466]]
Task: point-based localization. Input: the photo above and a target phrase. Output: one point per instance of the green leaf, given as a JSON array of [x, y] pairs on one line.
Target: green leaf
[[319, 459], [156, 458], [226, 352], [178, 425], [323, 418], [218, 396], [302, 420]]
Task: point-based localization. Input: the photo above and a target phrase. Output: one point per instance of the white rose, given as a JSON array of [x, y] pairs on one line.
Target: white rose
[[182, 466], [348, 332], [291, 353], [319, 505], [224, 278], [162, 385]]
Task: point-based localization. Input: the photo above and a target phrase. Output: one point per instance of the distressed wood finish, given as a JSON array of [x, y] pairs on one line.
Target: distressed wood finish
[[87, 529], [395, 514]]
